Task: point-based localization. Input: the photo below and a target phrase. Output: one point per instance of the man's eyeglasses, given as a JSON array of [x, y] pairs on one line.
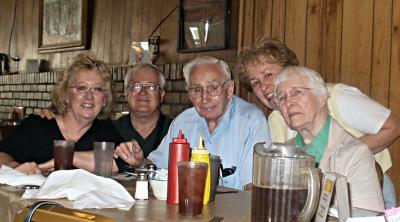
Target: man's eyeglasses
[[212, 90], [294, 93], [83, 89], [148, 87]]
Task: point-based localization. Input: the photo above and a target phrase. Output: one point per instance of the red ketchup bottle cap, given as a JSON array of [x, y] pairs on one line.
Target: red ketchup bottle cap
[[180, 139]]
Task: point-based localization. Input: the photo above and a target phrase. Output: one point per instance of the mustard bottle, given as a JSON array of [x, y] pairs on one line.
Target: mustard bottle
[[200, 154]]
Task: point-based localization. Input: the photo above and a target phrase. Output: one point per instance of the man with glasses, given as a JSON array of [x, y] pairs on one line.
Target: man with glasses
[[229, 125], [144, 91]]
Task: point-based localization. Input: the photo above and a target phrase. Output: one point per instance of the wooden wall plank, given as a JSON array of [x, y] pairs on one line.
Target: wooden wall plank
[[357, 44], [126, 38], [169, 33], [146, 8], [331, 40], [263, 19], [247, 35], [295, 27], [381, 51], [279, 15], [6, 16], [394, 101], [313, 46], [117, 30], [136, 23]]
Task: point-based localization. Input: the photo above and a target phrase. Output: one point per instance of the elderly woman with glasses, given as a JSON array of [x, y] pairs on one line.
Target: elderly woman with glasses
[[301, 96], [83, 100]]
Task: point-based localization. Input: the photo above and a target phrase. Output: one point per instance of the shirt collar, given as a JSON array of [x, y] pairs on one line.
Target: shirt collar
[[319, 143]]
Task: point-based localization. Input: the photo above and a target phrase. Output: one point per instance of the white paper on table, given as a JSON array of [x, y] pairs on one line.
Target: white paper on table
[[13, 177], [85, 189]]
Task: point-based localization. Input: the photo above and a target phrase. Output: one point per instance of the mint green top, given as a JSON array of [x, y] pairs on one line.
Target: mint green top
[[318, 145]]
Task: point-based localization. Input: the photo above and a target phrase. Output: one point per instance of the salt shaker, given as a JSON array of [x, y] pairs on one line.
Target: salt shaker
[[151, 170], [142, 187]]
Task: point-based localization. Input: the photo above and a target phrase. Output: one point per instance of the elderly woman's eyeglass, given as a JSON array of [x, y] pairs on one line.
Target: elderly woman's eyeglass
[[148, 87], [212, 90], [83, 89], [294, 93]]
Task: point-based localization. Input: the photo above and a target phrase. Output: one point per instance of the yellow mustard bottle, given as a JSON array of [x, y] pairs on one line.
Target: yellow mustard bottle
[[200, 154]]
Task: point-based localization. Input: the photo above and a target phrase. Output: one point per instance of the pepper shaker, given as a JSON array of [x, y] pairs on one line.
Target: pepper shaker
[[151, 170], [142, 187]]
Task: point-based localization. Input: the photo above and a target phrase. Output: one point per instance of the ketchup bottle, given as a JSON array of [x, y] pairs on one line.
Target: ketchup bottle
[[179, 150]]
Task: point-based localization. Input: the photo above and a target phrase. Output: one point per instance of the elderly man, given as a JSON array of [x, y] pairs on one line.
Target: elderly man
[[364, 118], [229, 125], [302, 98], [144, 91]]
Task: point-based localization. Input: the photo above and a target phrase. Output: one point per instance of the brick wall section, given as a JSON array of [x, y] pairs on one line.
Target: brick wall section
[[33, 90]]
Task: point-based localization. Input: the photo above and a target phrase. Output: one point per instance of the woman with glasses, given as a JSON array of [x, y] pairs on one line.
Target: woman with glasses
[[302, 97], [83, 100]]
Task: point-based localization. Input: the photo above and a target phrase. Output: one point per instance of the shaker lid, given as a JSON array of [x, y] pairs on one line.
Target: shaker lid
[[281, 150]]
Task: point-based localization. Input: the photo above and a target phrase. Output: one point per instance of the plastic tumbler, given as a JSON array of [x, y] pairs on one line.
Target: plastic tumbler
[[63, 152], [192, 179], [103, 158], [215, 162]]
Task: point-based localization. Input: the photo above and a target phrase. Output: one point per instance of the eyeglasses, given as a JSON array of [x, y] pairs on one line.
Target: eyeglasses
[[148, 87], [212, 90], [83, 89], [294, 93]]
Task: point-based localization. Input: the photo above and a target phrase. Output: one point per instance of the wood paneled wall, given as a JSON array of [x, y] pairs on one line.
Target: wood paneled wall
[[114, 25], [356, 42]]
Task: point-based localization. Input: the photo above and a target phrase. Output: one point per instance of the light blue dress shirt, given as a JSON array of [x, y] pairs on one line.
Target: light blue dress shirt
[[242, 126]]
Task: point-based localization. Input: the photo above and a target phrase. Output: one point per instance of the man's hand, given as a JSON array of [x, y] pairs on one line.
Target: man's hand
[[130, 152], [47, 113], [28, 168], [47, 166]]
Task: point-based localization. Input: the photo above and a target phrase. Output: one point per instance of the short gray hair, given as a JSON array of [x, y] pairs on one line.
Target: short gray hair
[[205, 60], [131, 72], [316, 82]]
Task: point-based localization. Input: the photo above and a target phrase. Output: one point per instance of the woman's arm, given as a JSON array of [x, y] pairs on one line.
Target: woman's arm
[[28, 167], [388, 133]]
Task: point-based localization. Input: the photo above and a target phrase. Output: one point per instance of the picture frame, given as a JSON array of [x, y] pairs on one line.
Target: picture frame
[[204, 25], [63, 25]]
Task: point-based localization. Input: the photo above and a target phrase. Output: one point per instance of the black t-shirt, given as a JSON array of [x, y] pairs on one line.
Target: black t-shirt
[[32, 140], [125, 128]]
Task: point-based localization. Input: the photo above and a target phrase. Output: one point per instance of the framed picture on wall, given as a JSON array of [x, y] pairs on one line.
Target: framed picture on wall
[[62, 25], [204, 25]]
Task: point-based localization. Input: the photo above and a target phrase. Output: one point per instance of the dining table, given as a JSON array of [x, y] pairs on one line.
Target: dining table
[[229, 205]]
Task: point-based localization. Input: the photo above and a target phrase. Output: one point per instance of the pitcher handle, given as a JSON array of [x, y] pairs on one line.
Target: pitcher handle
[[310, 206]]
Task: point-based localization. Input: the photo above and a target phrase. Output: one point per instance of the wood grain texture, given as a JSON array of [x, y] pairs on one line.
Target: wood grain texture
[[394, 101], [295, 27], [332, 21], [357, 43], [380, 73], [313, 45]]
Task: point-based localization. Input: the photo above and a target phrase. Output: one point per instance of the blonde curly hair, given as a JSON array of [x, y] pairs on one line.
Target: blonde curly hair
[[85, 61], [265, 51]]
